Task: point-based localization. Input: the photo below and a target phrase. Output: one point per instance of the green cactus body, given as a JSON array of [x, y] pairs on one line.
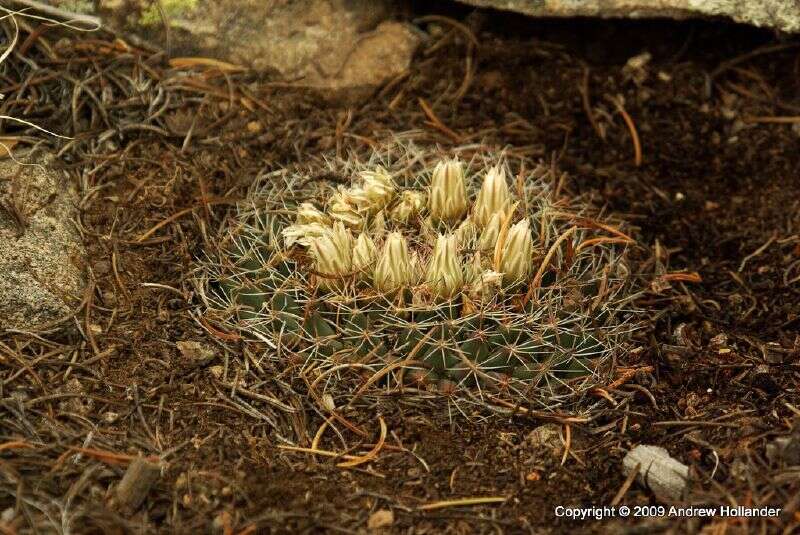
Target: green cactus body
[[416, 290]]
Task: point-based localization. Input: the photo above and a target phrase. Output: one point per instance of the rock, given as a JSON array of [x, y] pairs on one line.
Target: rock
[[778, 14], [343, 47], [659, 472], [739, 469], [139, 478], [377, 58], [109, 417], [217, 371], [8, 515], [77, 402], [382, 518], [547, 436], [786, 449], [41, 255]]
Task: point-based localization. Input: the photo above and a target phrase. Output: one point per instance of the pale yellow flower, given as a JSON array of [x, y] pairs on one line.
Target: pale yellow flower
[[342, 208], [473, 268], [466, 232], [308, 213], [393, 269], [517, 256], [332, 254], [408, 207], [378, 225], [375, 192], [491, 232], [492, 198], [364, 255], [303, 234], [417, 269], [447, 200], [485, 285], [445, 274]]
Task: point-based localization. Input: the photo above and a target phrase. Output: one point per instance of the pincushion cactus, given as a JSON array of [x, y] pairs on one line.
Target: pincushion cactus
[[428, 272]]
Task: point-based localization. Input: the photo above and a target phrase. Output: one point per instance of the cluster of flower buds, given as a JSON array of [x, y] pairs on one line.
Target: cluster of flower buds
[[377, 215]]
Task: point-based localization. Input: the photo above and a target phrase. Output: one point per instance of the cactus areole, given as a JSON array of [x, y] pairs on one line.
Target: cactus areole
[[426, 274]]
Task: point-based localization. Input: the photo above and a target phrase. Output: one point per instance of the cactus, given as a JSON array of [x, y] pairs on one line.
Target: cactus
[[442, 271]]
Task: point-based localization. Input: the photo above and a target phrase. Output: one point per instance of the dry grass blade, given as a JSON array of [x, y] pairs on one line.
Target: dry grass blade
[[437, 123], [462, 502], [372, 453], [537, 279], [317, 451], [625, 486], [15, 444], [189, 62], [167, 221], [773, 120], [681, 277], [637, 144]]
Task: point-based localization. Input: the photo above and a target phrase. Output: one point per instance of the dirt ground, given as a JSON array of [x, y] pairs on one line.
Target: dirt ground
[[712, 187]]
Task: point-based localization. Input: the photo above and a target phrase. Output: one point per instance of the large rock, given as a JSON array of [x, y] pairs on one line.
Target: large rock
[[779, 14], [41, 254], [347, 48]]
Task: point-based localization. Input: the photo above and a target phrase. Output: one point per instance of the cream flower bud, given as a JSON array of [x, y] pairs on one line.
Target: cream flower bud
[[378, 225], [410, 205], [333, 253], [491, 232], [303, 234], [474, 268], [447, 201], [308, 213], [445, 273], [342, 209], [485, 285], [393, 270], [517, 256], [466, 232], [493, 196], [417, 269], [376, 191], [364, 255]]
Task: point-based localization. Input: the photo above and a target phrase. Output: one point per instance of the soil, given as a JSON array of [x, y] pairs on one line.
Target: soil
[[715, 200]]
